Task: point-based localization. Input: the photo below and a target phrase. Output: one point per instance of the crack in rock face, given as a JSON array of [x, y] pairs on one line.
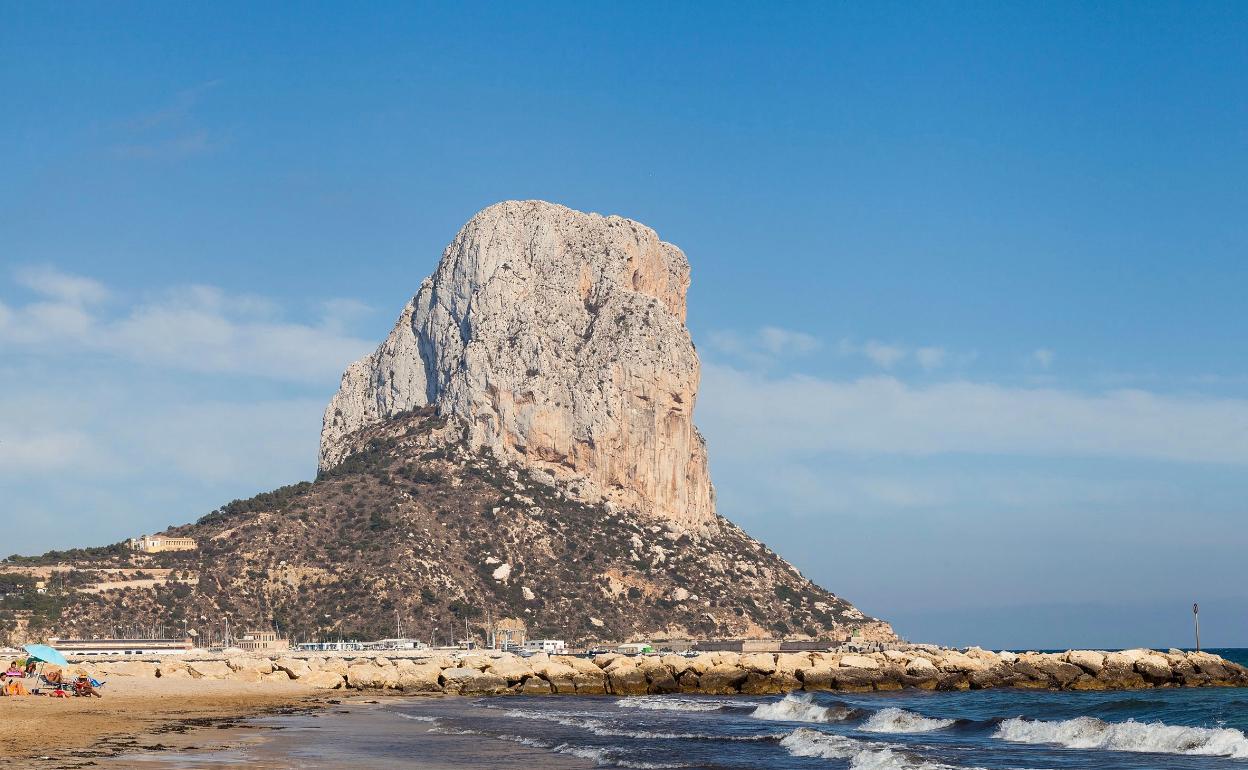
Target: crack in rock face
[[558, 339]]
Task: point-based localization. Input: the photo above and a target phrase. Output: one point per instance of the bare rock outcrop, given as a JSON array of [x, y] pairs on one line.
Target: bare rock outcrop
[[556, 339]]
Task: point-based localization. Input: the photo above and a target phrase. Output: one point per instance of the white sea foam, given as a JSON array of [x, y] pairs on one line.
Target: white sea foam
[[804, 742], [886, 758], [587, 721], [453, 731], [1154, 737], [524, 741], [673, 703], [605, 757], [415, 717], [895, 720], [800, 708], [862, 755]]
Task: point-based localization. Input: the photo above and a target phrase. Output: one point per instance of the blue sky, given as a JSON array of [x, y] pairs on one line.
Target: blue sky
[[968, 278]]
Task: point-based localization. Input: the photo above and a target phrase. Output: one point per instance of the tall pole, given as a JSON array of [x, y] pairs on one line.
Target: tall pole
[[1196, 617]]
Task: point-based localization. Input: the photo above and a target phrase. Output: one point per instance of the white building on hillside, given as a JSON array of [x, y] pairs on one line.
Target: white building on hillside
[[552, 646]]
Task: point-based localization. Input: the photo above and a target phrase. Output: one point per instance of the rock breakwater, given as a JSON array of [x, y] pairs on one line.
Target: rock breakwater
[[715, 673]]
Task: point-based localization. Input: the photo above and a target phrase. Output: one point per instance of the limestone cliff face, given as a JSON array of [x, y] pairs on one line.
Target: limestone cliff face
[[557, 338]]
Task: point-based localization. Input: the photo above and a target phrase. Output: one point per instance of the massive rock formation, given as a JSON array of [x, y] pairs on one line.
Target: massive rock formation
[[558, 339], [520, 449]]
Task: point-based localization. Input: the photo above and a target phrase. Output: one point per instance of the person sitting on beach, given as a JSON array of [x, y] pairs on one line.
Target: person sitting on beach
[[31, 665], [14, 670], [13, 687], [84, 687], [53, 675]]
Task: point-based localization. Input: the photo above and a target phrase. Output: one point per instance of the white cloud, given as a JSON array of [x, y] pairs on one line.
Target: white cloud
[[885, 356], [193, 328], [883, 415], [765, 346], [930, 357], [781, 342], [1043, 357], [72, 289]]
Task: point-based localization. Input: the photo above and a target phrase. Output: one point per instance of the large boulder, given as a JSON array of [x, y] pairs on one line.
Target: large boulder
[[1154, 668], [590, 683], [759, 663], [370, 676], [259, 665], [208, 669], [792, 663], [323, 679], [483, 683], [335, 664], [1119, 672], [420, 678], [1088, 660], [722, 679], [627, 680], [511, 668], [535, 685], [859, 661], [770, 684], [294, 667], [953, 660], [1061, 672], [820, 677], [135, 668]]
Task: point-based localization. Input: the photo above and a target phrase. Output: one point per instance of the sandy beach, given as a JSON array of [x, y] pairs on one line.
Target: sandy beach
[[136, 715]]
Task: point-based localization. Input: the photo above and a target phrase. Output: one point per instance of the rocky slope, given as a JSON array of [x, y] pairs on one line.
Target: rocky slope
[[420, 524], [559, 338]]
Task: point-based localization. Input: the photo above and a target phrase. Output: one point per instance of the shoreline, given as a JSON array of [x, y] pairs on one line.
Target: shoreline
[[137, 718], [280, 742], [167, 705]]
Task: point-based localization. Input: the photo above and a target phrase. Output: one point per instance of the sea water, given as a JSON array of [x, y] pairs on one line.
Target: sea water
[[909, 730]]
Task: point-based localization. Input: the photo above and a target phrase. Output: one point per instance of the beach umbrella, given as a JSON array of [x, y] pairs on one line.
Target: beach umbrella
[[46, 654]]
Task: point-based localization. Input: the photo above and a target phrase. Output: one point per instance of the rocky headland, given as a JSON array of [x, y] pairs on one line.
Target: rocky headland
[[520, 452]]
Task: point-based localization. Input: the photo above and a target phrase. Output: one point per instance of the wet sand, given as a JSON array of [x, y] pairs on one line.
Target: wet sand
[[135, 715], [357, 734]]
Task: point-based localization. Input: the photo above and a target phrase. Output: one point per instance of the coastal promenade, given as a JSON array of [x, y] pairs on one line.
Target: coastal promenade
[[711, 673]]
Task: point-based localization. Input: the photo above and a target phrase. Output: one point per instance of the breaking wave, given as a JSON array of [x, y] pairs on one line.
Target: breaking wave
[[586, 721], [1154, 737], [801, 708], [895, 720], [673, 703], [862, 755]]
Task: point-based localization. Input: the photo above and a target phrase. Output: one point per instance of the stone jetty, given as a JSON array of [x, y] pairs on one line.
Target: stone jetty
[[712, 673]]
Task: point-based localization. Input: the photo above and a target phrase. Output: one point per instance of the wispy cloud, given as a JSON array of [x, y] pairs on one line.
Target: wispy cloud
[[931, 357], [183, 146], [191, 395], [1043, 357], [885, 356], [885, 415], [192, 328], [49, 282], [171, 131], [765, 346]]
